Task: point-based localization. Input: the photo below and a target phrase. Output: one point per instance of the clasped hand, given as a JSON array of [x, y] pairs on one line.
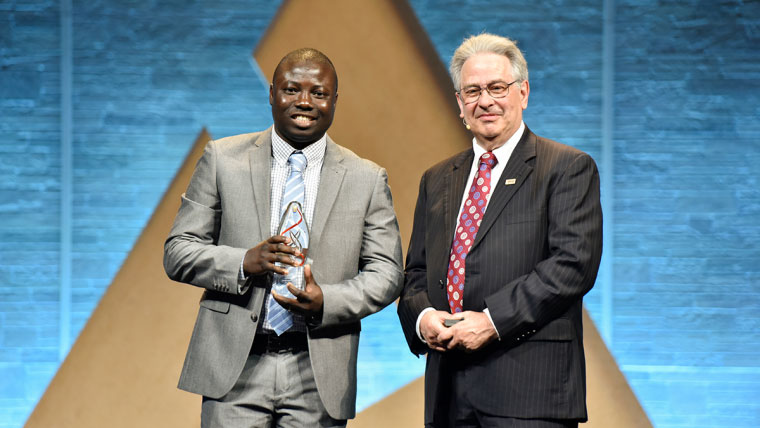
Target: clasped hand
[[473, 332], [263, 258]]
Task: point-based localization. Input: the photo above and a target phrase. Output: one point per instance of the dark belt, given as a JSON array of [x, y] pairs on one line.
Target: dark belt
[[286, 342]]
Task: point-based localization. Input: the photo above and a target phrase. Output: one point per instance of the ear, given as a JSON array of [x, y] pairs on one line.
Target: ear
[[461, 105], [524, 93], [271, 94]]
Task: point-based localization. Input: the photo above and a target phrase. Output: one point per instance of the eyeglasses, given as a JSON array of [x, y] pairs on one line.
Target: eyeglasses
[[471, 94]]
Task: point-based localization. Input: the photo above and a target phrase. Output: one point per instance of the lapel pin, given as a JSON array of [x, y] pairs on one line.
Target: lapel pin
[[510, 181]]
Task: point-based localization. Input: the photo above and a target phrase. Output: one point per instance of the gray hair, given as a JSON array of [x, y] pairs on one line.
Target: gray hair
[[488, 43]]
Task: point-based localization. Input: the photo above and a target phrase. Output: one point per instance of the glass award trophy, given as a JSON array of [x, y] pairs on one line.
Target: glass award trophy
[[293, 225]]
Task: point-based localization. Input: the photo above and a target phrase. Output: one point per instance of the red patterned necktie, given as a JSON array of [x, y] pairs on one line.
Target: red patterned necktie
[[467, 228]]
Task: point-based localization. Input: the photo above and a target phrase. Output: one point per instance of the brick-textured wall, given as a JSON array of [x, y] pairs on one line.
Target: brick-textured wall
[[687, 271], [149, 75], [29, 203]]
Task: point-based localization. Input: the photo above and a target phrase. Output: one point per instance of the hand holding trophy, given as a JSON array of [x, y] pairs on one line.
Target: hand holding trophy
[[297, 291], [293, 225]]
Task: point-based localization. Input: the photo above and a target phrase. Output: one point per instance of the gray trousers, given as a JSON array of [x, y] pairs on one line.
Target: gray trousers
[[274, 390]]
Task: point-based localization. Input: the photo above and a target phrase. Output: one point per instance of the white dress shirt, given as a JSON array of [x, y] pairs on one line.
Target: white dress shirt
[[280, 171]]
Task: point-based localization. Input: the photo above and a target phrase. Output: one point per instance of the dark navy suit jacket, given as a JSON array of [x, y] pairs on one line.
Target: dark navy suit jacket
[[535, 256]]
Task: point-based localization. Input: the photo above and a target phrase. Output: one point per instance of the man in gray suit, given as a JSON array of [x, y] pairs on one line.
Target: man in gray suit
[[507, 239], [225, 239]]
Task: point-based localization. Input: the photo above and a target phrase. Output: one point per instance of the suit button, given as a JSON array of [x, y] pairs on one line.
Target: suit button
[[254, 318]]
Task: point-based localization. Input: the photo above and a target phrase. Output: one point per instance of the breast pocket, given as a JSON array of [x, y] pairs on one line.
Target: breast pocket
[[522, 217]]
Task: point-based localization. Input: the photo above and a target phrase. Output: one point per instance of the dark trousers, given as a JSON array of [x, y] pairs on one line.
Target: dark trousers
[[462, 413]]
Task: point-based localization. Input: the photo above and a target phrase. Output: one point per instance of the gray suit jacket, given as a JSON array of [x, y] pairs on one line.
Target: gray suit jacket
[[355, 247], [535, 255]]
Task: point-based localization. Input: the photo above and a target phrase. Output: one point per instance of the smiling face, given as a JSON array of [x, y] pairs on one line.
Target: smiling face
[[303, 96], [492, 120]]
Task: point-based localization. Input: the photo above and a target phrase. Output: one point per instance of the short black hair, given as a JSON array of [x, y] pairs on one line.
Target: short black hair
[[307, 55]]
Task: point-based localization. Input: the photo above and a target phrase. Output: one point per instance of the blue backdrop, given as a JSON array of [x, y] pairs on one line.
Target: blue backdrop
[[664, 94]]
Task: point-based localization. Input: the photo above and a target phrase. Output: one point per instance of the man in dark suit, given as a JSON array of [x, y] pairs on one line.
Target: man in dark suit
[[507, 239]]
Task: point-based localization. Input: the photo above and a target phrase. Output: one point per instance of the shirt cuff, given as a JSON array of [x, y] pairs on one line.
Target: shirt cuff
[[419, 318], [488, 314], [242, 279]]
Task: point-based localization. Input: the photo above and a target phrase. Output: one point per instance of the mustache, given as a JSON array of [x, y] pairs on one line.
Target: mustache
[[497, 112]]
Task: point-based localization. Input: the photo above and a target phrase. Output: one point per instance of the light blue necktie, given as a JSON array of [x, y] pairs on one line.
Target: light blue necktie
[[278, 317]]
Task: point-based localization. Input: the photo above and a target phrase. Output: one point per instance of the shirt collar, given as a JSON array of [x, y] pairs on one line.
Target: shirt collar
[[281, 150], [504, 151]]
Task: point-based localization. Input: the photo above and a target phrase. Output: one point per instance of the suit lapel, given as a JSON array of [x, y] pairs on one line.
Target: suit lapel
[[454, 184], [261, 164], [513, 177], [330, 179]]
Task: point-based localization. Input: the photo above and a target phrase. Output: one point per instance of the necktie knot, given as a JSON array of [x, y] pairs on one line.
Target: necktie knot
[[488, 160], [297, 161]]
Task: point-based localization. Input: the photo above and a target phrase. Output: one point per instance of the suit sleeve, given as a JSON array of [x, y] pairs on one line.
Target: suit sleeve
[[191, 252], [379, 280], [575, 247], [414, 297]]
